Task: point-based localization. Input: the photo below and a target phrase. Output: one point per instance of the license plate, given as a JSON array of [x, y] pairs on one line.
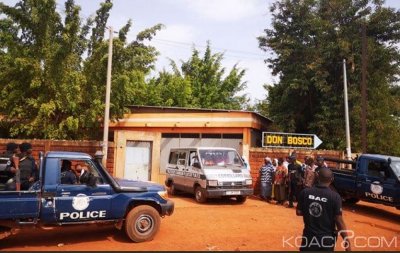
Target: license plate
[[232, 192]]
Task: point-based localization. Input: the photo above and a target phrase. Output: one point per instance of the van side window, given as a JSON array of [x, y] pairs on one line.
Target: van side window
[[182, 158]]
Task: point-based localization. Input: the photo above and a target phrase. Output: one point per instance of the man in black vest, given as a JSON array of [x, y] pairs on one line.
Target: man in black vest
[[27, 166], [321, 209]]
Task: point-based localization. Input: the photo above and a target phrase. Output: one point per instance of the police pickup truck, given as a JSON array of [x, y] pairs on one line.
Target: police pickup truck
[[370, 177], [134, 206]]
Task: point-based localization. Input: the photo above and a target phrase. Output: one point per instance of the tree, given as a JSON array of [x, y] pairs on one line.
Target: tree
[[209, 86], [53, 69], [310, 39]]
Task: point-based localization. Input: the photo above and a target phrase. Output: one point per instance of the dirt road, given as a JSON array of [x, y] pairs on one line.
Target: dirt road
[[218, 225]]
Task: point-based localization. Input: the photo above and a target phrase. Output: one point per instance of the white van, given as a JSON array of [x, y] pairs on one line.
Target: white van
[[208, 172]]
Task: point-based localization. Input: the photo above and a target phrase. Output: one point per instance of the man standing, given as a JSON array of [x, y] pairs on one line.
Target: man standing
[[321, 209], [27, 166], [267, 178], [280, 182], [309, 173], [320, 163], [295, 178]]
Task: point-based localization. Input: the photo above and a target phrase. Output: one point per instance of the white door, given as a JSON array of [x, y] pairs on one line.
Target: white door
[[137, 160]]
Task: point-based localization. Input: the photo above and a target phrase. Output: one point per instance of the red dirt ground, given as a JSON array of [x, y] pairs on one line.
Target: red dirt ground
[[216, 225]]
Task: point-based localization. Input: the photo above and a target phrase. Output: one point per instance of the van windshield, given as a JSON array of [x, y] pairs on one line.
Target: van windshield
[[220, 157]]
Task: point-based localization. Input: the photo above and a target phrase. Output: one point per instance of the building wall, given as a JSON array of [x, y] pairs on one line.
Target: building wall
[[89, 147], [257, 156]]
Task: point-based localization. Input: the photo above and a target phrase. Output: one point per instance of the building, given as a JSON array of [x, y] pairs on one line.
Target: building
[[144, 137]]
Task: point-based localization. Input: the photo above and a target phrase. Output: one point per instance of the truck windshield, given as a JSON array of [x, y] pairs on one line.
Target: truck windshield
[[396, 168], [220, 157]]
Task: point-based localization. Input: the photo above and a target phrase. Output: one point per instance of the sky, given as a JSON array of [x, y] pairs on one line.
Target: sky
[[231, 27]]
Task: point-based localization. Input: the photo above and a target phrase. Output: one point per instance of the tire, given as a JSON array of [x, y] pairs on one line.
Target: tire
[[241, 199], [351, 200], [200, 195], [142, 223]]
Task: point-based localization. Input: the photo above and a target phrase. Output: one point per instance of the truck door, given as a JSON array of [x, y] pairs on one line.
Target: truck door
[[80, 202], [377, 183]]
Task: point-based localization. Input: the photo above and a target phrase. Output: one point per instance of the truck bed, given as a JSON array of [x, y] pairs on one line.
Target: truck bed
[[19, 205], [344, 181]]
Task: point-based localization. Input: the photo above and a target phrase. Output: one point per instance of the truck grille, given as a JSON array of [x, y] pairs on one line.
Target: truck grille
[[230, 184]]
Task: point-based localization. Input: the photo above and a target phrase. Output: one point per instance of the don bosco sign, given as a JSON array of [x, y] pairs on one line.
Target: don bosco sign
[[290, 140]]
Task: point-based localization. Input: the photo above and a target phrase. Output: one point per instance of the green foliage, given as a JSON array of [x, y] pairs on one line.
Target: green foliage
[[309, 40], [207, 85], [53, 73], [53, 69]]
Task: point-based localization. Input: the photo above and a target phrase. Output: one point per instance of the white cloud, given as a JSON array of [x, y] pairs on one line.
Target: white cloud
[[224, 10], [177, 32]]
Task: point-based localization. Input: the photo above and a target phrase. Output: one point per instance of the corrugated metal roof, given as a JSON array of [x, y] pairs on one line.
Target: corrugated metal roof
[[146, 109]]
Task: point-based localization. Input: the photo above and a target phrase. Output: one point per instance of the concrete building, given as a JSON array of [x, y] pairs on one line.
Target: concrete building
[[144, 137]]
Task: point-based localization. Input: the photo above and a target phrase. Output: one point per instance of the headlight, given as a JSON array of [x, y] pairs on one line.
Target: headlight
[[163, 194], [212, 182], [249, 182]]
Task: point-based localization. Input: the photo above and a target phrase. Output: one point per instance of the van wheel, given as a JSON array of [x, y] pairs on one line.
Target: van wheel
[[142, 223], [241, 199], [200, 195]]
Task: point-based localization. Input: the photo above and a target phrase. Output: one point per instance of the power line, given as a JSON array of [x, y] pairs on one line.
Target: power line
[[227, 54], [203, 46]]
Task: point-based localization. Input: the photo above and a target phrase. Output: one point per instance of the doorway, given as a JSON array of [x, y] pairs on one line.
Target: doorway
[[137, 160]]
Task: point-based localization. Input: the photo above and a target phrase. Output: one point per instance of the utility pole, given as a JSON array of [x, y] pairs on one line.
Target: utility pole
[[108, 91], [346, 111], [364, 59]]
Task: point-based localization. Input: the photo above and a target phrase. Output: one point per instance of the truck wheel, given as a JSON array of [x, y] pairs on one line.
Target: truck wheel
[[351, 200], [142, 223], [241, 199], [200, 195]]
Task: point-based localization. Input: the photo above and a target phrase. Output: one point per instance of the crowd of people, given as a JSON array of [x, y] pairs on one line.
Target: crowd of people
[[282, 179]]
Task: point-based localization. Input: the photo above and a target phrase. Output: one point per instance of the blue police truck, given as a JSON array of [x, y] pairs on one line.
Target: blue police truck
[[370, 177], [97, 197]]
